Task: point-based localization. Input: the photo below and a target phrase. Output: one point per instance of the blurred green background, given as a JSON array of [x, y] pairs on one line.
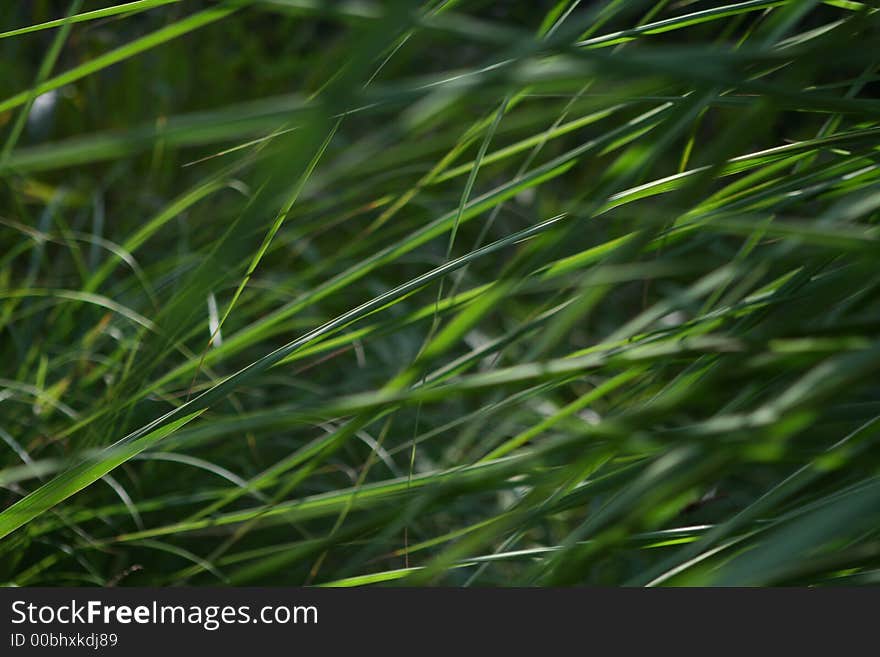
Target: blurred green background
[[457, 293]]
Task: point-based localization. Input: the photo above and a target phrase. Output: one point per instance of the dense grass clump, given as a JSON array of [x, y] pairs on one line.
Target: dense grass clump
[[440, 292]]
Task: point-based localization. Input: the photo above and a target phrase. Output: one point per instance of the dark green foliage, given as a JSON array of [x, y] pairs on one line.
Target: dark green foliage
[[460, 293]]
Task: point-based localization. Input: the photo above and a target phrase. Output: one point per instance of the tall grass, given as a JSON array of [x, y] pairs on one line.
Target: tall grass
[[446, 292]]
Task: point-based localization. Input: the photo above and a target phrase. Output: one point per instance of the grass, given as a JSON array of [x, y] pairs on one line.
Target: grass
[[439, 293]]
